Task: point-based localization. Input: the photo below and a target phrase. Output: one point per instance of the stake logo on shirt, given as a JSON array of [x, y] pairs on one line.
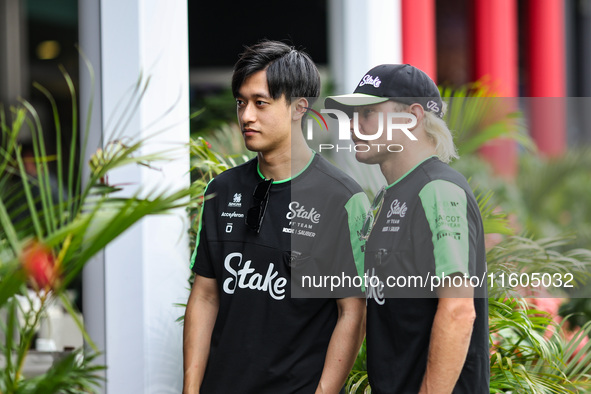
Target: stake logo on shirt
[[296, 210], [397, 208], [374, 287], [302, 220], [246, 277]]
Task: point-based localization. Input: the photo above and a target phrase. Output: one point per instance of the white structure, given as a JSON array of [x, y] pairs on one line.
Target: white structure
[[131, 287], [362, 34], [13, 65]]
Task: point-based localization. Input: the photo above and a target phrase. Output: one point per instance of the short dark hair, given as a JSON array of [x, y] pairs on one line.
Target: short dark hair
[[290, 72]]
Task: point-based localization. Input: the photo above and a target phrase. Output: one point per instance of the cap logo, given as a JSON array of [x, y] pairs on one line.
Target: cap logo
[[369, 80], [432, 106]]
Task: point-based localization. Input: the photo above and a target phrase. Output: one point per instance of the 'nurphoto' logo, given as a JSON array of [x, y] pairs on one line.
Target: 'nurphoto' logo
[[344, 123]]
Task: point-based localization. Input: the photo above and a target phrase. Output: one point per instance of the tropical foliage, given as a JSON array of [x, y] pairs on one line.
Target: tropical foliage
[[477, 117], [52, 226]]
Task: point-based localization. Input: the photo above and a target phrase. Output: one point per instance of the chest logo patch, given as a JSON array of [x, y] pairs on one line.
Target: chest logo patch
[[243, 276], [397, 208], [236, 200], [296, 210]]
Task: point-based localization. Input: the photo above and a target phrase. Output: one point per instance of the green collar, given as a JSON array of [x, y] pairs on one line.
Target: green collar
[[409, 171], [292, 177]]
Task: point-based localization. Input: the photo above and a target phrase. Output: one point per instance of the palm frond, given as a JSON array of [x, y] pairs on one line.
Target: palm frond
[[518, 256], [477, 117], [74, 222]]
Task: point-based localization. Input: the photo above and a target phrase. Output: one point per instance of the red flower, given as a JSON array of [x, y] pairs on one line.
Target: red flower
[[207, 144], [39, 264]]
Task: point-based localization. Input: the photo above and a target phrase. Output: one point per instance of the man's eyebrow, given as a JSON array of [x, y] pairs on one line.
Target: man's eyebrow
[[255, 96]]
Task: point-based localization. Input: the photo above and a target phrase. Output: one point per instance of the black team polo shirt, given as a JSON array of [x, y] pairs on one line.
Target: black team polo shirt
[[429, 225], [267, 339]]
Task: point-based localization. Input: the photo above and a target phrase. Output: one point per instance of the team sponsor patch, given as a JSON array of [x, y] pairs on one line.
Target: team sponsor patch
[[397, 208], [447, 220], [243, 276], [297, 210], [369, 80], [444, 233], [236, 200], [232, 215]]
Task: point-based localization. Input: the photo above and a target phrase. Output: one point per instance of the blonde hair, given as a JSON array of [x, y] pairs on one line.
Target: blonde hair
[[439, 134]]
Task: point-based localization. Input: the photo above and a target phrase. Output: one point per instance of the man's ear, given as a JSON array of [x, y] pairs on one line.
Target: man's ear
[[298, 108], [418, 111]]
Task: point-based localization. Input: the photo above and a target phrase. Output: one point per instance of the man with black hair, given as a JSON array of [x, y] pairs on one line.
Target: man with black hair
[[264, 223], [427, 306]]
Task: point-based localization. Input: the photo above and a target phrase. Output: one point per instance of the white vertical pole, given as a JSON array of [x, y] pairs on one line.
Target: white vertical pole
[[145, 270], [362, 34], [93, 275], [13, 64]]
